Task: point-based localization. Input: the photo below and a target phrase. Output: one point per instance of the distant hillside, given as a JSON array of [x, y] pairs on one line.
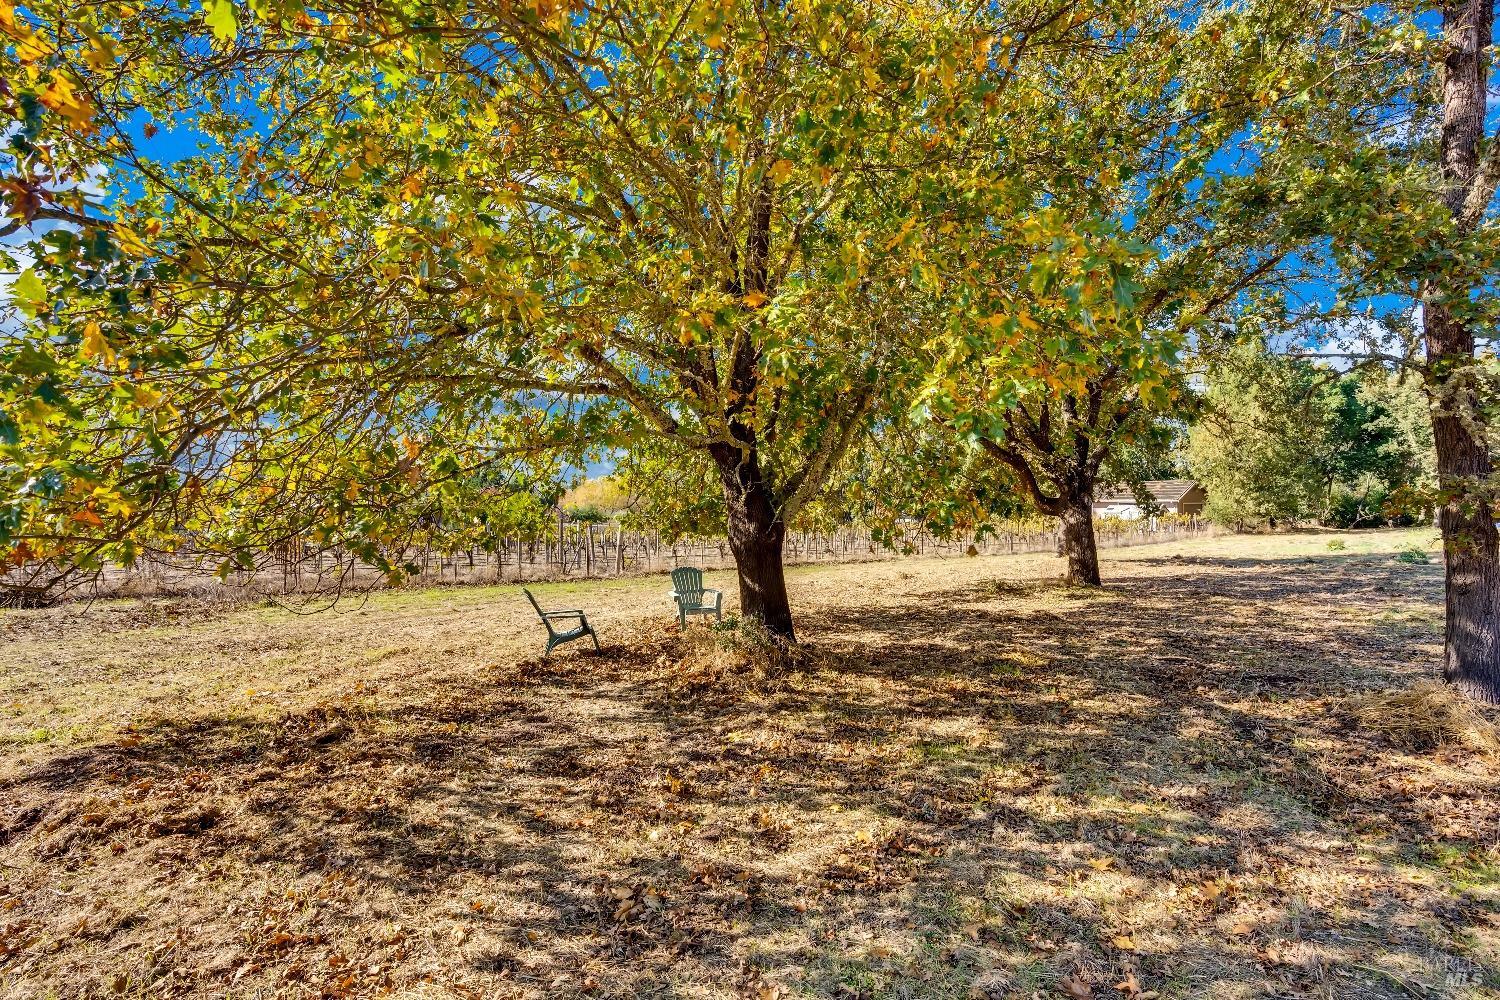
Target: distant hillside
[[603, 493]]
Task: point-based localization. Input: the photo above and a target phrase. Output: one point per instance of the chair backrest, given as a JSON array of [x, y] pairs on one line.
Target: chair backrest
[[538, 607], [688, 582]]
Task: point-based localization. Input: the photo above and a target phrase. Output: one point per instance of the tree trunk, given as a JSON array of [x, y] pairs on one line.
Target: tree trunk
[[1471, 644], [757, 536], [1077, 526]]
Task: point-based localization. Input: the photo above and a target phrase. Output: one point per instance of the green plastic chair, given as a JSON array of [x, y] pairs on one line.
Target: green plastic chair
[[689, 593], [554, 636]]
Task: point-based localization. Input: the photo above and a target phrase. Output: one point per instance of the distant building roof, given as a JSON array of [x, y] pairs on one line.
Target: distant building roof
[[1163, 491]]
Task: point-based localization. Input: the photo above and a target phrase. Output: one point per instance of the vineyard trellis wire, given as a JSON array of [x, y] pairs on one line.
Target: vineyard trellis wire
[[590, 550]]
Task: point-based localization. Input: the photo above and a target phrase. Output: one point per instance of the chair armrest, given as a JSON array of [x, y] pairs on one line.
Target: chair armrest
[[563, 614]]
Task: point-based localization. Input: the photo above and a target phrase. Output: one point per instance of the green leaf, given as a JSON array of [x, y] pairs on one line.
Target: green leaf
[[221, 20], [29, 288]]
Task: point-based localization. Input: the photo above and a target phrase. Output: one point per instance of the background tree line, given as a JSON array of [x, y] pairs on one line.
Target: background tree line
[[1283, 439]]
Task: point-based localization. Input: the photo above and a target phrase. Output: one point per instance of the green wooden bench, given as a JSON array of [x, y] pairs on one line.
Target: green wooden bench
[[556, 637], [689, 593]]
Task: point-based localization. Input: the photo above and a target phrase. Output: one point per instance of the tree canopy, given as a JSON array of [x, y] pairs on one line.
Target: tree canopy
[[336, 272], [1167, 148], [418, 244]]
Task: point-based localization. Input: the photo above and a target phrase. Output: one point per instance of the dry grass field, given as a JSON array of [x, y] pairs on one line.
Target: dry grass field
[[1221, 776]]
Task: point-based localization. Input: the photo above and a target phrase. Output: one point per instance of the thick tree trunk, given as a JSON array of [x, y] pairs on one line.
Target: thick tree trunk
[[1077, 528], [757, 536], [1471, 646]]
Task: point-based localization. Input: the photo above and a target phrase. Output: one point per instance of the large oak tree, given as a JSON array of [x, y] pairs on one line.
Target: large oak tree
[[422, 241], [1169, 138], [1413, 218], [1468, 163]]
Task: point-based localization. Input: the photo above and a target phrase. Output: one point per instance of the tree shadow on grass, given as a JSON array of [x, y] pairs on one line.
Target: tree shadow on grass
[[986, 787]]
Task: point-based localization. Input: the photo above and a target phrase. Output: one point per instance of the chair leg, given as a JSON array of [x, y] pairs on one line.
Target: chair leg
[[595, 636]]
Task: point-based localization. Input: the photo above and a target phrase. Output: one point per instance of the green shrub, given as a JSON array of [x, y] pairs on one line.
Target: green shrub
[[1374, 507], [1413, 556], [587, 514], [1335, 545]]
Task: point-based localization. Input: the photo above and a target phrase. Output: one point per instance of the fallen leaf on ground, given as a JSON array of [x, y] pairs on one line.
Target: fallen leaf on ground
[[1075, 987]]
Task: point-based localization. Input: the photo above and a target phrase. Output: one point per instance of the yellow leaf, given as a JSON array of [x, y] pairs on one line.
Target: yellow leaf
[[906, 228], [781, 170], [755, 299], [146, 397], [531, 308], [62, 97], [982, 51], [352, 493], [1101, 864], [32, 48], [1124, 942], [94, 345], [101, 54], [127, 240], [34, 409], [115, 504], [1242, 929]]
